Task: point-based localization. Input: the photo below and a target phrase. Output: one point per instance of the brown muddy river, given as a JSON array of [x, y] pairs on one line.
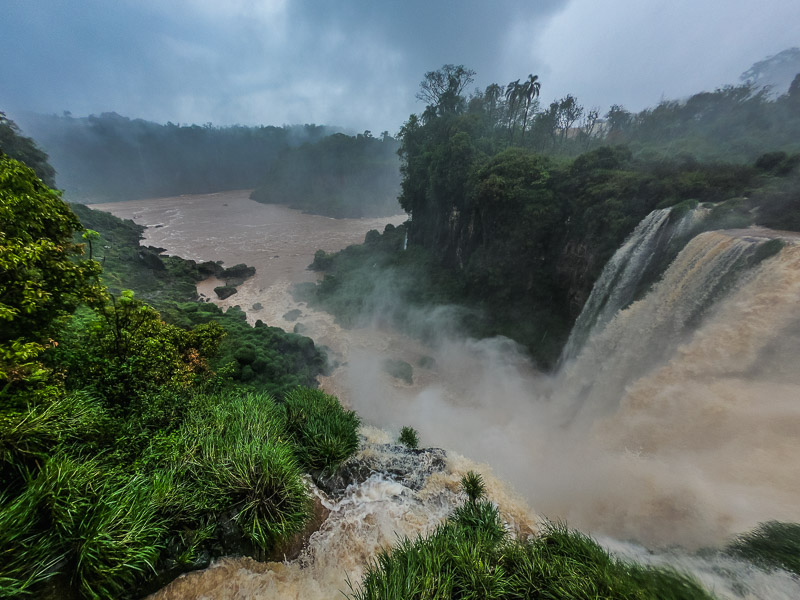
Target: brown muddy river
[[280, 243]]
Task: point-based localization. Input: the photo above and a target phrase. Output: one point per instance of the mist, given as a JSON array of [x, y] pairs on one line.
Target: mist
[[652, 433]]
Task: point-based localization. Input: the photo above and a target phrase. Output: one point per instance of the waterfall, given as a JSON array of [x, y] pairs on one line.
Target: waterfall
[[616, 286], [649, 331], [622, 276]]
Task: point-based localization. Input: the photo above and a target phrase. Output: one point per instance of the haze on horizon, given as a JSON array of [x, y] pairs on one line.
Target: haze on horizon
[[358, 64]]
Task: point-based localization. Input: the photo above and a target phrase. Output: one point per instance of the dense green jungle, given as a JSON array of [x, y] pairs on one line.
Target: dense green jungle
[[515, 209], [144, 433]]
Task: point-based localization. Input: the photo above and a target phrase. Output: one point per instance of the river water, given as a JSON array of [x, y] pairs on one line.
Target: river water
[[677, 434]]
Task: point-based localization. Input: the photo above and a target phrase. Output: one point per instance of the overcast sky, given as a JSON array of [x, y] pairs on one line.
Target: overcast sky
[[358, 63]]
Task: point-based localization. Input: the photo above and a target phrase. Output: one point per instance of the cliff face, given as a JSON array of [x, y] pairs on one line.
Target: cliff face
[[576, 270]]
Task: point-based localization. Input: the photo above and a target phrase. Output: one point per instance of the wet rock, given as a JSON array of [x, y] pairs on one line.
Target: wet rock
[[293, 314], [151, 260], [224, 291], [410, 467]]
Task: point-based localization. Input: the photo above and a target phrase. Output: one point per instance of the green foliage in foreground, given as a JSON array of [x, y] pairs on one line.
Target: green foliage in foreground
[[127, 450], [109, 503], [473, 486], [40, 278], [237, 452], [771, 545], [472, 556], [409, 437], [324, 433]]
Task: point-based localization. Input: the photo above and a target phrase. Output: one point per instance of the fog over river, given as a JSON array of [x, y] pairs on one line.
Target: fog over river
[[670, 426]]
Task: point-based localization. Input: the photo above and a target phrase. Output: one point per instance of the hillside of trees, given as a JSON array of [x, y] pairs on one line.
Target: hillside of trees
[[108, 157], [338, 176], [522, 207], [139, 442]]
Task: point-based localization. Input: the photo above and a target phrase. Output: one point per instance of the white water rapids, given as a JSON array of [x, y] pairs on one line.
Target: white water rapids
[[677, 422]]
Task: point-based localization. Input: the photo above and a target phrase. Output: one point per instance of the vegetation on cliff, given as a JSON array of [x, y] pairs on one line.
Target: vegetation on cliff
[[514, 213], [110, 157]]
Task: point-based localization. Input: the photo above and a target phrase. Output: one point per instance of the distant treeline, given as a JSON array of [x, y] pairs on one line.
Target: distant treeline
[[110, 157], [338, 176]]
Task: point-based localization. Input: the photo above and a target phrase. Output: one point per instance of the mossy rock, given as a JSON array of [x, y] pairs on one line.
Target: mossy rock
[[399, 369], [224, 291]]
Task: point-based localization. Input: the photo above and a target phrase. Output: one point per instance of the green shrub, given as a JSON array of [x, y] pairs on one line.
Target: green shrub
[[237, 456], [473, 486], [472, 556], [245, 355], [771, 545], [84, 521], [27, 437], [324, 432], [409, 437]]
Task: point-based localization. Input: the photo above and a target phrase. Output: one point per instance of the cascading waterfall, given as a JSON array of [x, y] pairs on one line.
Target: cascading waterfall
[[620, 279], [617, 283], [407, 494], [648, 331]]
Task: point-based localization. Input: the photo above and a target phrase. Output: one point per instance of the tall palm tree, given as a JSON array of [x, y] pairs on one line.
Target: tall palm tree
[[530, 90], [513, 95], [492, 95]]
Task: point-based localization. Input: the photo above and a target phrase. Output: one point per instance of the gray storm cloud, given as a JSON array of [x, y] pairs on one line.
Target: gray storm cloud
[[357, 63]]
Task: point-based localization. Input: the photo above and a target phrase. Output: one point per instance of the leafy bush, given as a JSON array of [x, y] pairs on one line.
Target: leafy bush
[[409, 437], [127, 352], [324, 432], [42, 280]]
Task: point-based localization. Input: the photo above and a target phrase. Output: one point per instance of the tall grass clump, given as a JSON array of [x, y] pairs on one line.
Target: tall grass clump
[[238, 454], [473, 556], [771, 545], [28, 436], [94, 529], [325, 434]]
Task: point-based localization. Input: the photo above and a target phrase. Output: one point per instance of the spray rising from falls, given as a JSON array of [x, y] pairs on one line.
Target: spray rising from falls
[[673, 425], [689, 399]]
